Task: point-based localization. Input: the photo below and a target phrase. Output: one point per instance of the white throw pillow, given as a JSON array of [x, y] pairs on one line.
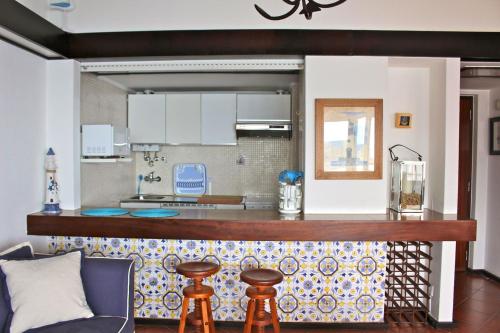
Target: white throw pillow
[[45, 291], [17, 247]]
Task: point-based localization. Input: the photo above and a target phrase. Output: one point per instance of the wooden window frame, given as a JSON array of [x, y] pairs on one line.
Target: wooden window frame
[[321, 174]]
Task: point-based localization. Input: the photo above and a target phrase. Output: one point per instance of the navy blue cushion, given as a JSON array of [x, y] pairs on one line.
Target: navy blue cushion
[[91, 325], [23, 252]]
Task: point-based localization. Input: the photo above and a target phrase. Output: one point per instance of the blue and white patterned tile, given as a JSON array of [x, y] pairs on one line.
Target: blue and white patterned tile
[[308, 285], [227, 284], [268, 253], [190, 250], [153, 281], [323, 281], [230, 252], [347, 285], [349, 252], [309, 252]]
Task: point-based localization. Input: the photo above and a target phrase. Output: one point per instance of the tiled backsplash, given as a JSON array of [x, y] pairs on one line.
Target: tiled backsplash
[[104, 184], [264, 159]]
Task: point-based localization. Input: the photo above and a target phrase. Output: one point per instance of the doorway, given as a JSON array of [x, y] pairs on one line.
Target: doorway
[[464, 174]]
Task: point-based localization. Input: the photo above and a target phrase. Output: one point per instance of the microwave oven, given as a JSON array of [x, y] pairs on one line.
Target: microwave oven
[[105, 141]]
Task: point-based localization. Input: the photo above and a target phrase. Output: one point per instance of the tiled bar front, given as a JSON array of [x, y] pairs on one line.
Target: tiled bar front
[[333, 281]]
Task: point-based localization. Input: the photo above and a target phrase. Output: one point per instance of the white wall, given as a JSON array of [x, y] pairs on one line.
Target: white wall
[[408, 91], [452, 129], [443, 139], [22, 141], [342, 77], [479, 203], [492, 247], [426, 87], [63, 127], [123, 15], [442, 280]]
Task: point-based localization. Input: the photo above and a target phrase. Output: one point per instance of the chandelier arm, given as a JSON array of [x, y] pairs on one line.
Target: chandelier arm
[[280, 17], [336, 3]]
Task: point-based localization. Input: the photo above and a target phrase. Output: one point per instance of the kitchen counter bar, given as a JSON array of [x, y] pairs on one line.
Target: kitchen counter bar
[[261, 225]]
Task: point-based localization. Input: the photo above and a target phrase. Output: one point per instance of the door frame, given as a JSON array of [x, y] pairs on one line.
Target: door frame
[[472, 171]]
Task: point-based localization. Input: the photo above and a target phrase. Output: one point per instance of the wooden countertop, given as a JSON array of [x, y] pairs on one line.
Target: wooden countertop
[[253, 225]]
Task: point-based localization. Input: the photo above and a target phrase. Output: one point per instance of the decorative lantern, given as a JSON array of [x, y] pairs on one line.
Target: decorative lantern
[[407, 184], [51, 187]]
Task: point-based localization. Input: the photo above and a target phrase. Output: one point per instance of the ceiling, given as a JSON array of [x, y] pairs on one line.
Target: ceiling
[[154, 15]]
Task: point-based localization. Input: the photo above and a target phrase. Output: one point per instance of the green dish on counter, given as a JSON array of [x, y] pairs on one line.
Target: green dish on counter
[[154, 213], [104, 212]]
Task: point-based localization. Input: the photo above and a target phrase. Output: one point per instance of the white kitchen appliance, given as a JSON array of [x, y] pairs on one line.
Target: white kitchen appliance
[[105, 141], [264, 115]]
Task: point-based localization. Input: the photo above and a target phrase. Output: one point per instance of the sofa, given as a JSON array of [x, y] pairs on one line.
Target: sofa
[[109, 289]]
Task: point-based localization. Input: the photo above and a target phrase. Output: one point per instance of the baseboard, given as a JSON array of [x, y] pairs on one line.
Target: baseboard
[[361, 326], [440, 324], [485, 273]]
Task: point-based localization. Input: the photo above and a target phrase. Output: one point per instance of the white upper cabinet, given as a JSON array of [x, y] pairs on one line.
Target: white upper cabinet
[[183, 118], [264, 107], [218, 119], [146, 118]]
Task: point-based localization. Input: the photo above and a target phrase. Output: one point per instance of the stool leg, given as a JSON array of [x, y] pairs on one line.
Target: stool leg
[[210, 317], [184, 313], [274, 315], [204, 316], [249, 318]]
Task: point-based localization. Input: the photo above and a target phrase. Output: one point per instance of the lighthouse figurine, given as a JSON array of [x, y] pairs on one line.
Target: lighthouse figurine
[[51, 188]]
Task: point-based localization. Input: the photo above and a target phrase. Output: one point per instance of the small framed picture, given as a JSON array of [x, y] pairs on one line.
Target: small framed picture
[[404, 120], [495, 136]]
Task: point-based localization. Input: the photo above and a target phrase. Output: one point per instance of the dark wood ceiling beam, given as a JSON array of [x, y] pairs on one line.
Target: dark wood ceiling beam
[[22, 21], [209, 42], [467, 45]]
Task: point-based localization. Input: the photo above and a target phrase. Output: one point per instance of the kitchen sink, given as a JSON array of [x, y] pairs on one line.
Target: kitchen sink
[[147, 197], [176, 202]]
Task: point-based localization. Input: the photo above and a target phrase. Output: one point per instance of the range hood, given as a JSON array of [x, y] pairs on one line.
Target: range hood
[[264, 115], [264, 130]]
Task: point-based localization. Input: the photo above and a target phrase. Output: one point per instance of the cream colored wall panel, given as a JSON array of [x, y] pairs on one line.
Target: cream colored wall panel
[[218, 119], [183, 118], [146, 118]]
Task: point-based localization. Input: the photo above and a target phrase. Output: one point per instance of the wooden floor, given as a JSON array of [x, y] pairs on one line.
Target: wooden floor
[[477, 309]]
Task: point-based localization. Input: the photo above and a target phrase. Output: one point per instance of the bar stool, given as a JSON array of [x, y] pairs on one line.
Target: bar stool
[[261, 283], [201, 318]]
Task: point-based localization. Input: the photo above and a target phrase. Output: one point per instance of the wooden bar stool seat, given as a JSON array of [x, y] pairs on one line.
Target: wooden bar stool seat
[[201, 317], [261, 283]]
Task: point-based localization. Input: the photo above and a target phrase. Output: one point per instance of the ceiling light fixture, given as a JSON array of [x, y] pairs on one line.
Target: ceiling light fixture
[[61, 4], [308, 8]]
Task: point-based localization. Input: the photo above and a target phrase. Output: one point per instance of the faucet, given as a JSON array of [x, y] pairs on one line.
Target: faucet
[[151, 178]]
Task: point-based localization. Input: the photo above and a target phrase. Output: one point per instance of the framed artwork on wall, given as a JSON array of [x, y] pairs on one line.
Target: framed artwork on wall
[[495, 136], [349, 138], [404, 120]]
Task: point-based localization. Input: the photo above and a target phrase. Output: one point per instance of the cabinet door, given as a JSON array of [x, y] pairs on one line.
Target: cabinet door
[[183, 118], [252, 107], [146, 118], [218, 119]]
